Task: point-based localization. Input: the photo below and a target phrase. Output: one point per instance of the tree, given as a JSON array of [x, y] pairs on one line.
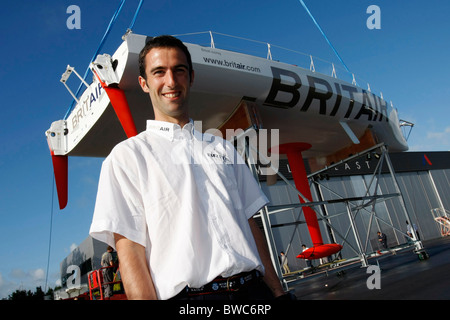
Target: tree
[[38, 294]]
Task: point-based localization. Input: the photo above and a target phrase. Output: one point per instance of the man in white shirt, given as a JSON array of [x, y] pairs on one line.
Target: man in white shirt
[[177, 204]]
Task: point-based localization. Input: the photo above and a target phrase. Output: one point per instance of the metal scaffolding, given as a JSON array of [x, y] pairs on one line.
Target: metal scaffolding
[[354, 206]]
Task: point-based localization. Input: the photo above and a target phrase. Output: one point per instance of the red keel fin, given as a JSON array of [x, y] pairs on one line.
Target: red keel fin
[[60, 170]]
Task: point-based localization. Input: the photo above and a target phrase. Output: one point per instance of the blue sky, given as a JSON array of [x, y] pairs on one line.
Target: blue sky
[[407, 59]]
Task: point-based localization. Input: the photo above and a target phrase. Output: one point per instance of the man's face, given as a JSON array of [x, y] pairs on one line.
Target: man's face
[[168, 83]]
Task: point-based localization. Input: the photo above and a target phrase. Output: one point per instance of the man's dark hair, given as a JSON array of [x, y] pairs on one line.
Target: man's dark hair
[[163, 41]]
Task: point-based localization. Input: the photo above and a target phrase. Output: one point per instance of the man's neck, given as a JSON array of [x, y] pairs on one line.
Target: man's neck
[[181, 121]]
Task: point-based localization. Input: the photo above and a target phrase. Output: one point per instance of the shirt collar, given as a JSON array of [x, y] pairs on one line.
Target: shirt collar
[[171, 130]]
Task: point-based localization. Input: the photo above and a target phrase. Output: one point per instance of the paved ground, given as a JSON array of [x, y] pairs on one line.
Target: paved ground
[[403, 277]]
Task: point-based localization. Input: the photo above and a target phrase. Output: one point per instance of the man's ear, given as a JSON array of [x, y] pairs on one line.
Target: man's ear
[[143, 84]]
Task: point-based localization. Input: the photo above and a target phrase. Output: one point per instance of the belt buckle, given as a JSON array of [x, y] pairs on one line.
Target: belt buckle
[[228, 284], [242, 281], [232, 282]]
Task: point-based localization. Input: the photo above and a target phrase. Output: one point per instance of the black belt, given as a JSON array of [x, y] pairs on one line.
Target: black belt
[[220, 284]]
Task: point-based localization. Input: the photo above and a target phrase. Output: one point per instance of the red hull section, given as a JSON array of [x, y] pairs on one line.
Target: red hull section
[[321, 251]]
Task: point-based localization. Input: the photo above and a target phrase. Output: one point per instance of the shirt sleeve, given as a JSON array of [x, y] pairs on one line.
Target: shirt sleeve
[[118, 207], [252, 196]]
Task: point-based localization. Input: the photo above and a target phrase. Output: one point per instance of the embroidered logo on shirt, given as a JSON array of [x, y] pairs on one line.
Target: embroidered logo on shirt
[[218, 156]]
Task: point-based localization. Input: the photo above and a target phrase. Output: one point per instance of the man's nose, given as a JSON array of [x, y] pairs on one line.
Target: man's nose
[[170, 78]]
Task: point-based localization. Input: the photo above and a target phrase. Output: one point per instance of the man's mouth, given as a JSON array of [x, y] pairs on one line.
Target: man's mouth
[[171, 95]]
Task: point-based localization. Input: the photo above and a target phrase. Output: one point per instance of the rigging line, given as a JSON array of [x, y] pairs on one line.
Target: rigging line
[[102, 42], [323, 33], [135, 16], [50, 237]]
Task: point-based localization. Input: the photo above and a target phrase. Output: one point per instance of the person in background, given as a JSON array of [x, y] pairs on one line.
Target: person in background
[[107, 263], [382, 239], [284, 262]]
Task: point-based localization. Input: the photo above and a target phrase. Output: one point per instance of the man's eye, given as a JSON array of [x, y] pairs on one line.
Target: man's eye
[[181, 70]]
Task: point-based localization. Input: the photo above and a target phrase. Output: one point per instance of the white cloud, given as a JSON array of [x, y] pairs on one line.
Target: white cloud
[[18, 274], [430, 136], [6, 287], [31, 276], [19, 279], [444, 135], [440, 138], [38, 274], [73, 246]]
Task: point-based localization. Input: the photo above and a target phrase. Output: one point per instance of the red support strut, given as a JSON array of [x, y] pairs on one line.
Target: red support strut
[[120, 105], [294, 154]]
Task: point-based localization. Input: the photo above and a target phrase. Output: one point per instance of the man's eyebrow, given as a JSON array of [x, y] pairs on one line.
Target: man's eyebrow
[[157, 68], [181, 65]]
